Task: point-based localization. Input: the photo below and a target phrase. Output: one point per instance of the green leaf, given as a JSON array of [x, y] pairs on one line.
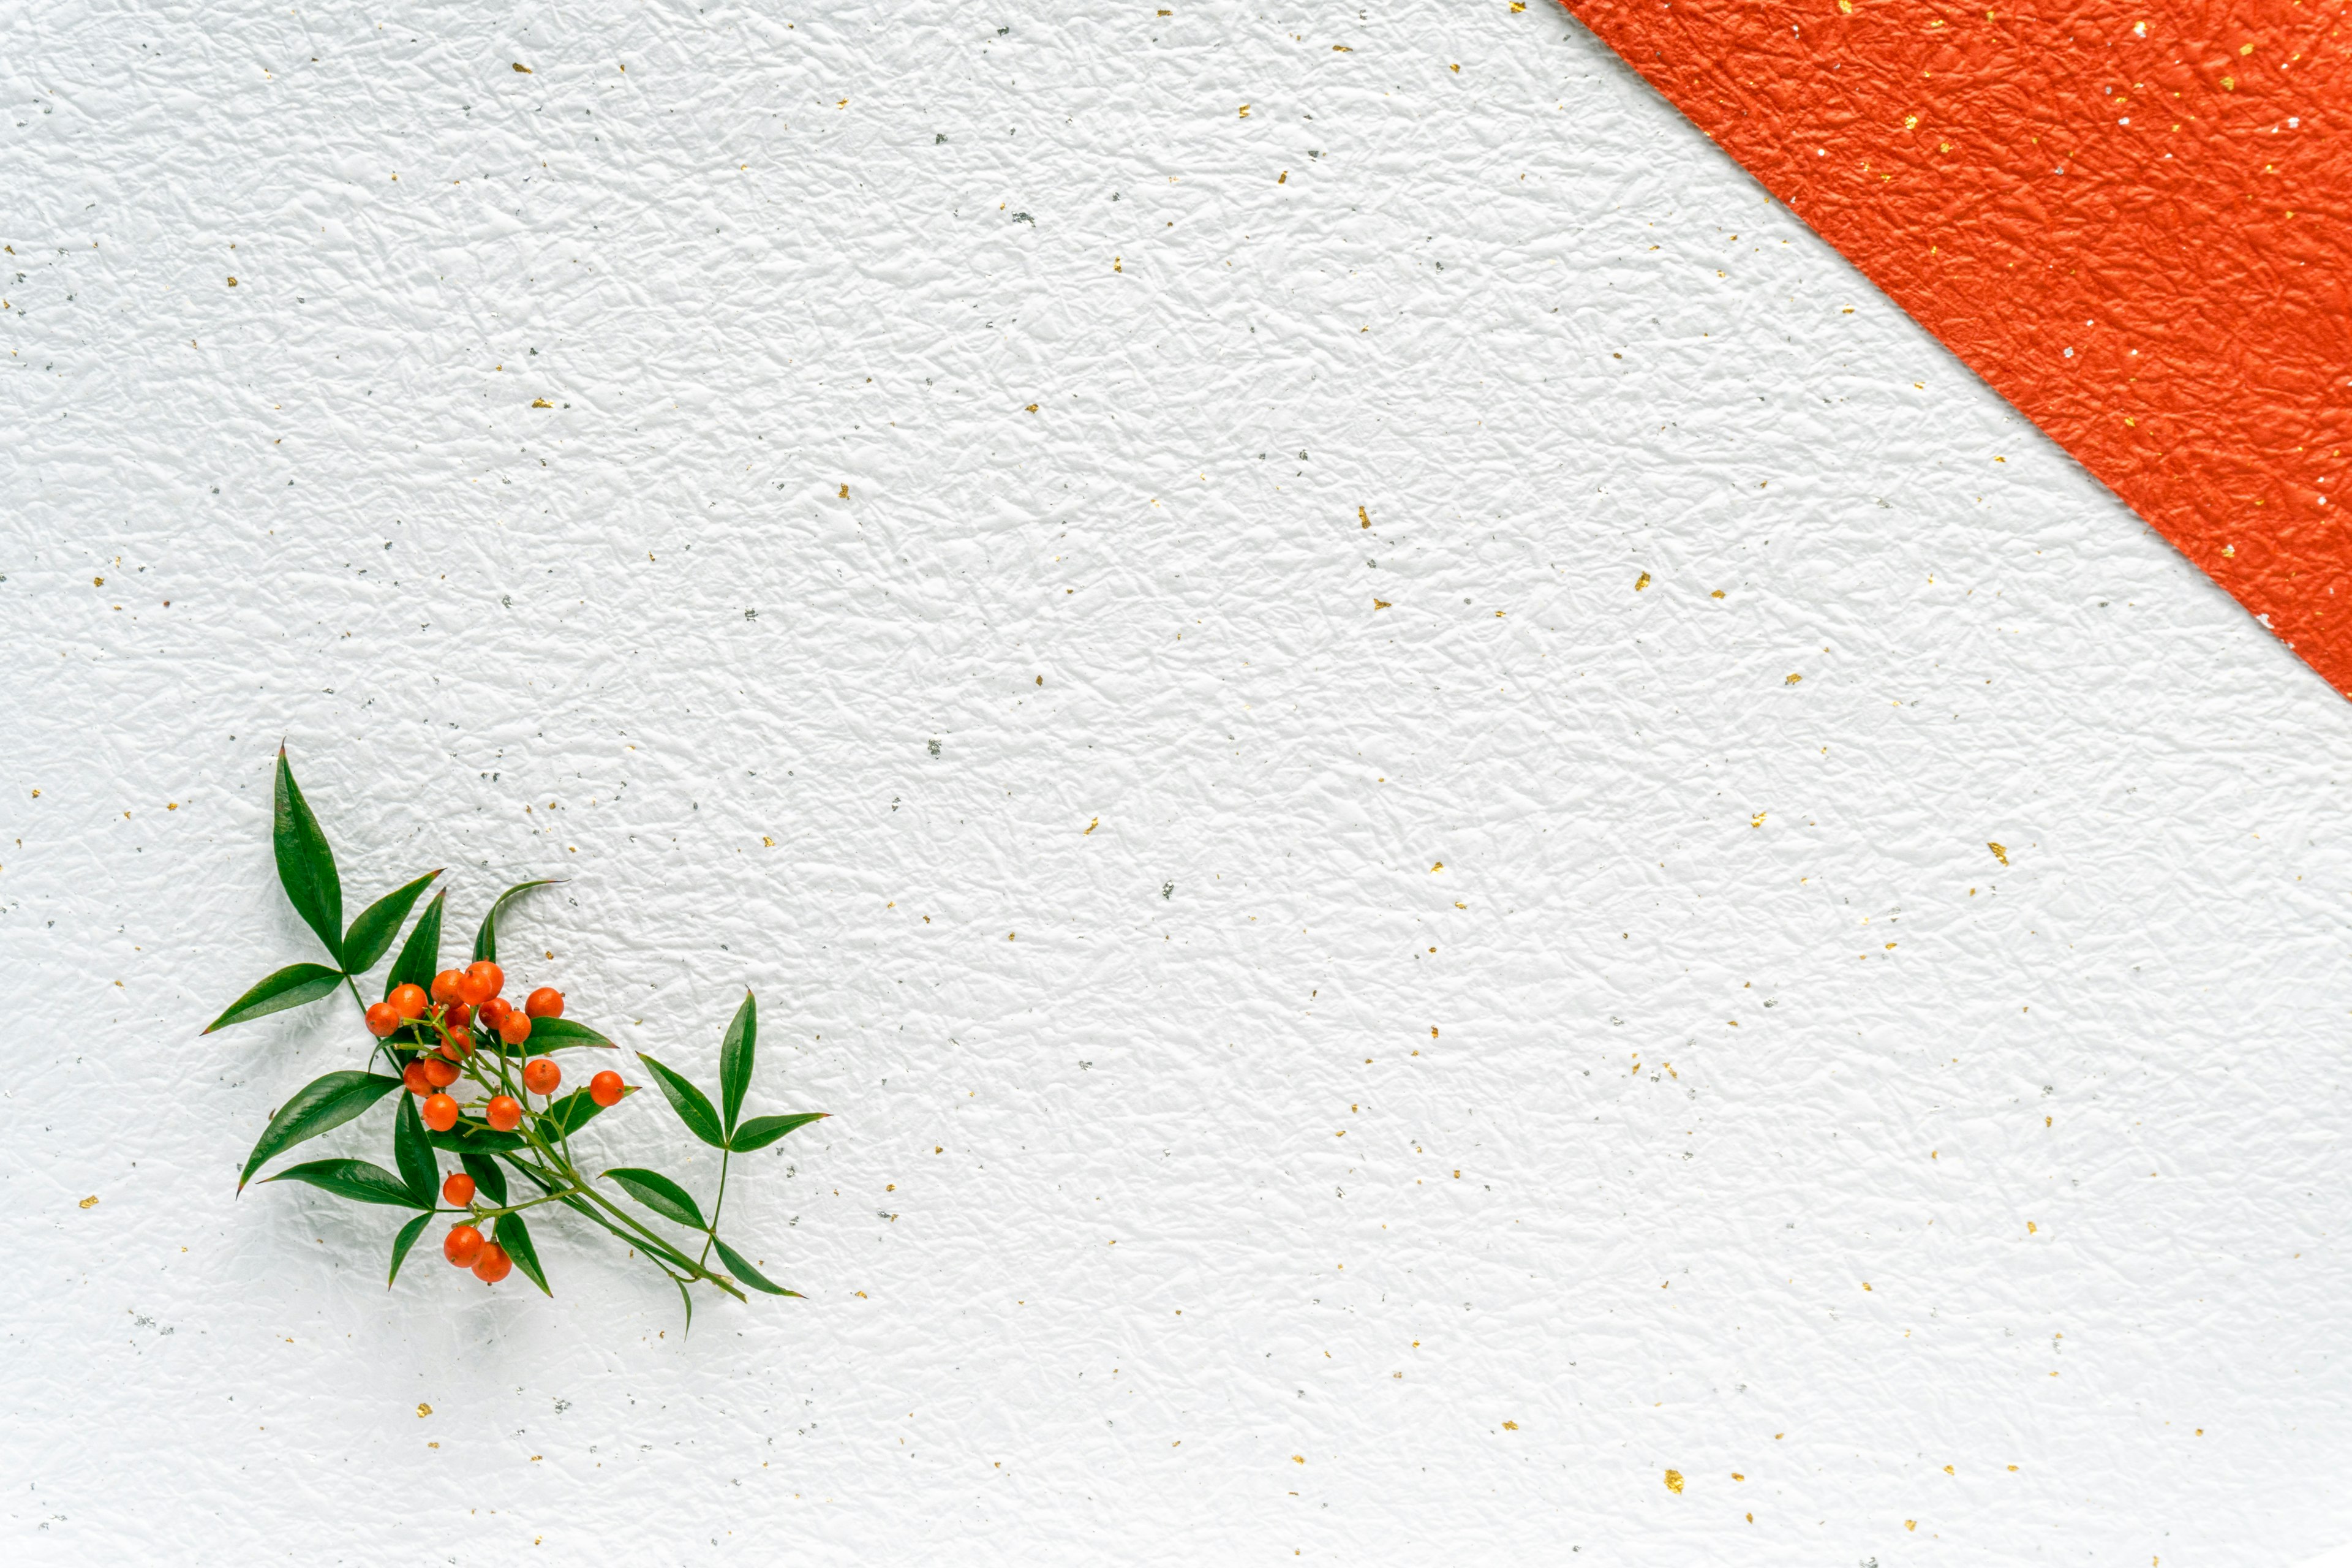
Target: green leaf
[[687, 1297], [735, 1058], [420, 955], [763, 1131], [402, 1242], [510, 1233], [693, 1107], [559, 1034], [486, 940], [323, 1103], [489, 1180], [304, 865], [574, 1112], [741, 1268], [659, 1193], [289, 988], [412, 1154], [379, 923], [469, 1133], [353, 1179]]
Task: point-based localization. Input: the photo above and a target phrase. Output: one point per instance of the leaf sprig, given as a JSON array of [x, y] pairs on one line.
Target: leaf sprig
[[481, 1084]]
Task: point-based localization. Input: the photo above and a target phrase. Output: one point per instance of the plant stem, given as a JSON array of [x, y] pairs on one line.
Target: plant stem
[[717, 1205]]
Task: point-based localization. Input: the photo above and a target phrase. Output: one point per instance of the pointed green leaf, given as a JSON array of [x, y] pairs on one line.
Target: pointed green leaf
[[474, 1134], [489, 1179], [354, 1179], [289, 988], [379, 923], [402, 1242], [687, 1297], [323, 1103], [763, 1131], [412, 1154], [486, 940], [572, 1113], [304, 865], [693, 1107], [659, 1193], [420, 955], [558, 1034], [510, 1233], [735, 1058], [741, 1268]]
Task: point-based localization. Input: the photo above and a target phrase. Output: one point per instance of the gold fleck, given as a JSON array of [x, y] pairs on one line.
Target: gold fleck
[[1866, 1284], [1716, 594], [1439, 867], [231, 282], [1010, 935], [1297, 1458], [768, 841], [1510, 1426], [844, 492], [1738, 1477], [1998, 853], [1380, 604], [1674, 1480], [540, 402], [1363, 516], [1245, 112], [522, 68], [1091, 826], [2030, 1229], [1910, 1524], [1031, 409], [1642, 581], [423, 1410], [1792, 681], [90, 1201], [1947, 1470], [1757, 820], [98, 582]]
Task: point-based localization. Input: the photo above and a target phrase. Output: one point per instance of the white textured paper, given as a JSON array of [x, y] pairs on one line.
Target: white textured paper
[[1357, 1044]]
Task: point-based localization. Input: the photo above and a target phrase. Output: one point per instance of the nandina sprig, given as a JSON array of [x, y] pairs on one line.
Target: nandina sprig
[[481, 1083]]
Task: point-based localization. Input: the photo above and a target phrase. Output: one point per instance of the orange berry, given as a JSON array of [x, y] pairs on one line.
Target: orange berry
[[494, 1012], [505, 1112], [540, 1076], [481, 981], [383, 1019], [439, 1071], [546, 1002], [493, 1265], [408, 1001], [418, 1082], [456, 1047], [445, 985], [462, 1246], [456, 1016], [440, 1112], [605, 1088], [459, 1190], [516, 1029]]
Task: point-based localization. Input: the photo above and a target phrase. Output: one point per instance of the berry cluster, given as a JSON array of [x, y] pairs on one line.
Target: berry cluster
[[482, 1084]]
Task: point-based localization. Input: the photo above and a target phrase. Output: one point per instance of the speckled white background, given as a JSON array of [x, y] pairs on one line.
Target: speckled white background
[[2078, 1122]]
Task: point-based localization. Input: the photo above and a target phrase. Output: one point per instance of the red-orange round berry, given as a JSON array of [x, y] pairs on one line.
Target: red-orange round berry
[[408, 1001], [383, 1019], [440, 1112], [494, 1012], [605, 1088], [456, 1047], [456, 1016], [445, 985], [418, 1082], [546, 1002], [540, 1076], [462, 1246], [493, 1265], [481, 981], [516, 1029], [505, 1112], [459, 1190], [439, 1071]]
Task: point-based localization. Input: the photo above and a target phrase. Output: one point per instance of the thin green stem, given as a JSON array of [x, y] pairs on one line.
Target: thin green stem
[[717, 1205]]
